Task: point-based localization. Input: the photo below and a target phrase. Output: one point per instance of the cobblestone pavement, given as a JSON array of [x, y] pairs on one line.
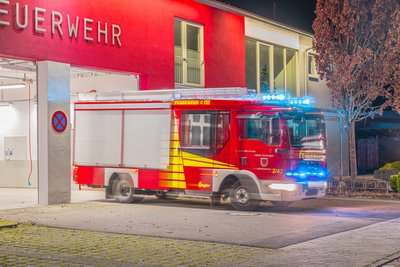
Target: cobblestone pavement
[[29, 245]]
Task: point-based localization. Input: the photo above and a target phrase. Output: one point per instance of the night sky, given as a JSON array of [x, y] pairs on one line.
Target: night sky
[[297, 13]]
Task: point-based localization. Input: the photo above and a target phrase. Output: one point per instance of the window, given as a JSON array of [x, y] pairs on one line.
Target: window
[[264, 129], [312, 69], [265, 81], [307, 132], [251, 64], [264, 61], [204, 133], [188, 51]]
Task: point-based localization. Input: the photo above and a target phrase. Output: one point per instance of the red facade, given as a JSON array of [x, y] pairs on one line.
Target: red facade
[[146, 36]]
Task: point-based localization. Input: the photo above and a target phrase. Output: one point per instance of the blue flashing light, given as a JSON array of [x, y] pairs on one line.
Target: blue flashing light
[[278, 98], [306, 173]]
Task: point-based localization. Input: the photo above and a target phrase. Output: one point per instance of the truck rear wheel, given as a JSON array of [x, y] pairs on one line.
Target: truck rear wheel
[[243, 197], [123, 191]]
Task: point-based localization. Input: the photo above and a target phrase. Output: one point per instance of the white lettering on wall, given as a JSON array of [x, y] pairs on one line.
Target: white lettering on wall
[[53, 22], [38, 19], [116, 33], [73, 29], [87, 29], [56, 22], [18, 16], [4, 12], [102, 32]]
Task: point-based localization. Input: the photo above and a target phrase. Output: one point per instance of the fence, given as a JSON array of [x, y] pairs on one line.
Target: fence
[[361, 184]]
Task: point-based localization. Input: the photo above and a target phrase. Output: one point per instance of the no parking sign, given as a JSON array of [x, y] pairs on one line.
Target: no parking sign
[[59, 121]]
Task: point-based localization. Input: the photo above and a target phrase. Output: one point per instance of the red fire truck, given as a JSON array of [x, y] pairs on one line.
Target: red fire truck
[[216, 143]]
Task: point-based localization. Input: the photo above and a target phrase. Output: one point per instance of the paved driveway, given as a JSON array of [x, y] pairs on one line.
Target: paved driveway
[[269, 227]]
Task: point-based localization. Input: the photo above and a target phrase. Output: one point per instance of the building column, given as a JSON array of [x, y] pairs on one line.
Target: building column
[[54, 142]]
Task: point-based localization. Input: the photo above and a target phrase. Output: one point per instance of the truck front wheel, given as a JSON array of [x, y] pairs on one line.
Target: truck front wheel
[[242, 197], [123, 191]]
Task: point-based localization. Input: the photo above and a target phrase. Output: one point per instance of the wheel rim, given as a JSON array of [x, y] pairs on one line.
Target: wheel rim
[[123, 190], [242, 195]]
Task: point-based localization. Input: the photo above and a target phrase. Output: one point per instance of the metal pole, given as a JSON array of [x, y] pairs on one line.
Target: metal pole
[[341, 148]]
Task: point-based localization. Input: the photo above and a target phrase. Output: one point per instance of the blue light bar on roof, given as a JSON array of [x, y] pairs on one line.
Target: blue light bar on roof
[[285, 99]]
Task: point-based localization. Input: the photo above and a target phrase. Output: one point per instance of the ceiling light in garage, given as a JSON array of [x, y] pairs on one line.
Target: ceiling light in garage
[[12, 86]]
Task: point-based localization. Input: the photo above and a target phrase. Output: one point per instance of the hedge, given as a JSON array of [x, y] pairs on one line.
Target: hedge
[[390, 166]]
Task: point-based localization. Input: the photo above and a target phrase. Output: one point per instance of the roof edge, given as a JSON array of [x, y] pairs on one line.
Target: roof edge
[[239, 11]]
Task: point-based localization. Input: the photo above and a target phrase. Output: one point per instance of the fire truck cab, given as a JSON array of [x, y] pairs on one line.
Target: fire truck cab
[[215, 143]]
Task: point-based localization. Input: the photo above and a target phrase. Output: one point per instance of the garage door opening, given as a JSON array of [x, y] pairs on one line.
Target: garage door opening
[[18, 131], [18, 126], [89, 81]]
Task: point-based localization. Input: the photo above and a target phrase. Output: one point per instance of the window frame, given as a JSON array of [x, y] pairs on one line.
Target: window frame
[[215, 144], [244, 123], [271, 66], [184, 70], [309, 74]]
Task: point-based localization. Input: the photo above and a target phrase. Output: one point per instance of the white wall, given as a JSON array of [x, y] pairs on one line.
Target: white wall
[[105, 83], [271, 34], [14, 121], [20, 126]]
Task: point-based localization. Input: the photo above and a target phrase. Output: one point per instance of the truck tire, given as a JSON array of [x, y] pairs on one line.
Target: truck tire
[[243, 197], [123, 191]]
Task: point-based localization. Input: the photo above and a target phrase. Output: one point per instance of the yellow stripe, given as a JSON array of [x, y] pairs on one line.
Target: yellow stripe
[[191, 163], [175, 168], [172, 176], [198, 161], [175, 161], [173, 184], [174, 153]]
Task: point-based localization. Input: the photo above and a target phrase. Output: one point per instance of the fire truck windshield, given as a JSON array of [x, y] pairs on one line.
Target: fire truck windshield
[[307, 132]]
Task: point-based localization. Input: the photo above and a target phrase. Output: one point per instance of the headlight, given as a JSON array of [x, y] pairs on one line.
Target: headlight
[[286, 187]]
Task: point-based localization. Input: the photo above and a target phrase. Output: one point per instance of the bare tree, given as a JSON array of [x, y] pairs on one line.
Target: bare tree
[[357, 44]]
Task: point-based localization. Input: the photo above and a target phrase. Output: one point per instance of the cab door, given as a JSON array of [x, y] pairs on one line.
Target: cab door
[[262, 149]]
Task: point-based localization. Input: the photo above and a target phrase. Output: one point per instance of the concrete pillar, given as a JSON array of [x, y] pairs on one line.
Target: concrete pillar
[[54, 148]]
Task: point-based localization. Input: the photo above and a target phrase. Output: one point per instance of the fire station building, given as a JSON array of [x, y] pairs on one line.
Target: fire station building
[[52, 50]]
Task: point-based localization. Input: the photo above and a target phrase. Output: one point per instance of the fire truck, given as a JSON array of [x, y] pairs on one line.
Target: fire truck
[[222, 143]]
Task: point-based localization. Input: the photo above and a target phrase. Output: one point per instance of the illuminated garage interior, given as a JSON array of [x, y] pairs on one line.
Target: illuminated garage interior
[[18, 114]]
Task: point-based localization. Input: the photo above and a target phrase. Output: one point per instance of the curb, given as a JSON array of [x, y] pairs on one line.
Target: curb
[[360, 199], [385, 261]]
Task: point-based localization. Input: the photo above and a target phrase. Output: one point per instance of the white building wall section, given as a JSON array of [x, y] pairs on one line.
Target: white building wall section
[[271, 34]]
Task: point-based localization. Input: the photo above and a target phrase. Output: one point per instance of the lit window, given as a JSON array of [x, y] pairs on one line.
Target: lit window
[[188, 51], [264, 61], [312, 69]]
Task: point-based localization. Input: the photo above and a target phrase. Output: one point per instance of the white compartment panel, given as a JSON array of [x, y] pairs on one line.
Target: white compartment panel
[[98, 138], [147, 138]]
